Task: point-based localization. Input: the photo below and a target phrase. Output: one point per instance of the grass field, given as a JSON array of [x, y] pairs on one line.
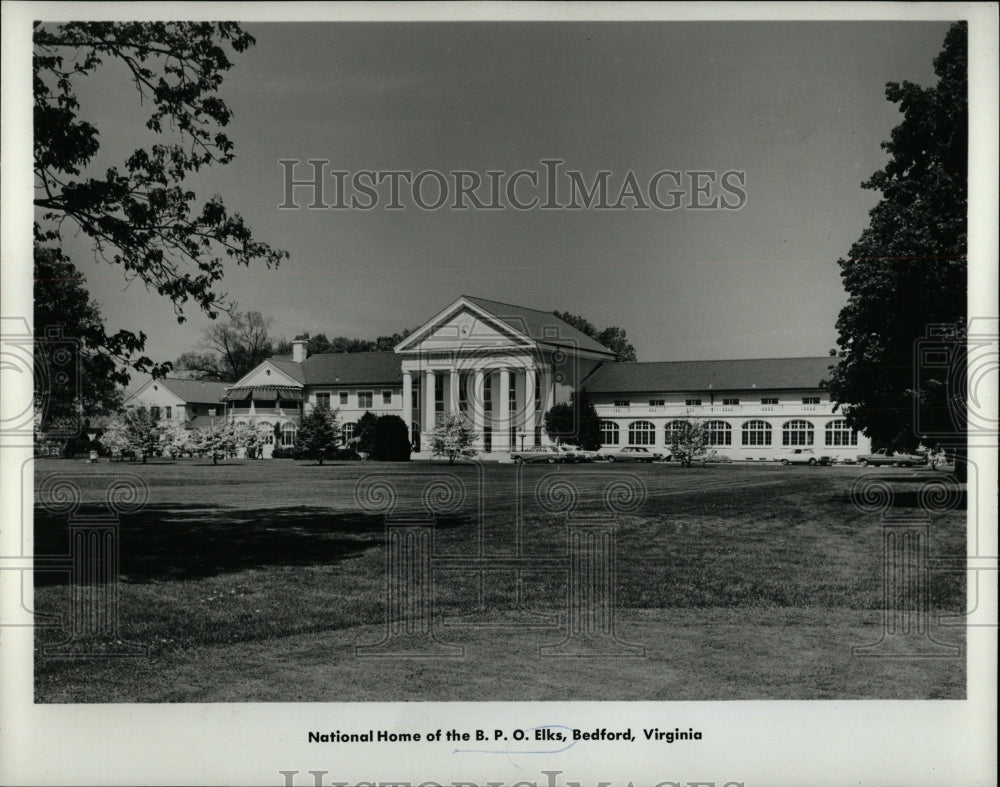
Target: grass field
[[255, 581]]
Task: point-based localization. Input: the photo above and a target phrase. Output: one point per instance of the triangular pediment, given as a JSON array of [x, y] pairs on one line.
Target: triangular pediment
[[266, 374], [463, 326]]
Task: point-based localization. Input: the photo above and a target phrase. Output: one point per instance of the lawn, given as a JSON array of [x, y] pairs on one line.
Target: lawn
[[255, 581]]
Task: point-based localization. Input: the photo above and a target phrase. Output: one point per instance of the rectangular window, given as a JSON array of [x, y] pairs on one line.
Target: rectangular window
[[168, 412], [488, 397], [657, 402], [323, 400], [155, 412], [415, 398], [810, 400], [622, 403], [730, 402], [439, 393], [343, 398], [463, 392], [538, 395], [386, 397], [365, 399], [769, 400], [692, 402]]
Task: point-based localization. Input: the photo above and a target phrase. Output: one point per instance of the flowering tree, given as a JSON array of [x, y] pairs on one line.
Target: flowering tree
[[176, 438], [453, 437], [689, 442]]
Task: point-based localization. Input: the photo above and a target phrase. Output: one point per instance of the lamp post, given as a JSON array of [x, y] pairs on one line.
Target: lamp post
[[521, 435]]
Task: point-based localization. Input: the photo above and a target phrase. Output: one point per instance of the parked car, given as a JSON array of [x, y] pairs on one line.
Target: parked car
[[538, 453], [886, 456], [633, 454], [572, 453], [805, 456]]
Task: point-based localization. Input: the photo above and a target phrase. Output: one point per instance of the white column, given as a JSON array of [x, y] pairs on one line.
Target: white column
[[501, 424], [529, 406], [407, 413], [477, 405], [453, 379], [428, 424]]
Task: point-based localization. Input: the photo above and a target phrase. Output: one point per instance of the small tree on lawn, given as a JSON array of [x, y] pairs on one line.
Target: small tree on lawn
[[175, 438], [576, 422], [318, 433], [391, 440], [453, 437], [115, 438], [218, 440], [365, 434], [143, 430], [689, 442]]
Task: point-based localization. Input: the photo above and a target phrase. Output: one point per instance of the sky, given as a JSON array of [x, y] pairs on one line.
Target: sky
[[799, 107]]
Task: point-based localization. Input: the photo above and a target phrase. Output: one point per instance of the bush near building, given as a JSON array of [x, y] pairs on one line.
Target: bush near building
[[390, 439]]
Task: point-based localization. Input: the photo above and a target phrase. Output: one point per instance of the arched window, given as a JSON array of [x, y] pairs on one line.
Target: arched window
[[609, 433], [673, 429], [288, 432], [347, 431], [839, 433], [719, 433], [641, 433], [756, 433], [797, 433], [266, 432]]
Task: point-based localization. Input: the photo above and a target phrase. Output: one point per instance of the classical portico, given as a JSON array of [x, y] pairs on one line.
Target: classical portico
[[500, 366]]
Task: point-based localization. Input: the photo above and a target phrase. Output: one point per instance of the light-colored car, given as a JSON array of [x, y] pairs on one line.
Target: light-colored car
[[573, 453], [805, 456], [538, 453], [633, 453]]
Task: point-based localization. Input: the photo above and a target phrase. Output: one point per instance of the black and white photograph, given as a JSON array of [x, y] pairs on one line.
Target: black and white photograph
[[539, 394]]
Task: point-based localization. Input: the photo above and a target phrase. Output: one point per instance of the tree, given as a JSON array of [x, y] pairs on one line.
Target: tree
[[364, 434], [688, 442], [576, 422], [236, 347], [612, 337], [908, 269], [201, 366], [71, 340], [143, 215], [219, 440], [175, 437], [318, 433], [137, 429], [453, 437], [391, 439]]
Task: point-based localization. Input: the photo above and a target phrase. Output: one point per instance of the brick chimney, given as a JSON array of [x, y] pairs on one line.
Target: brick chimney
[[299, 352]]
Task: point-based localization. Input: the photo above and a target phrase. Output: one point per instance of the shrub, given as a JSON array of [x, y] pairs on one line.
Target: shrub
[[390, 439]]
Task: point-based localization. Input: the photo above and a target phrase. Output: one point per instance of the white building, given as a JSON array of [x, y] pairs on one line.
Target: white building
[[182, 400], [504, 366]]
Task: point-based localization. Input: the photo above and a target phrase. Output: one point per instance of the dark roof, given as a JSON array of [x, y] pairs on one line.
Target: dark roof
[[195, 390], [369, 368], [288, 366], [535, 322], [736, 375]]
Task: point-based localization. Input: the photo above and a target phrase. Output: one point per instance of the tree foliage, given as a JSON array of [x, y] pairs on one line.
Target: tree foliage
[[689, 442], [612, 337], [908, 270], [138, 430], [318, 434], [390, 439], [341, 344], [453, 437], [142, 215], [576, 422], [364, 433], [71, 339], [231, 349]]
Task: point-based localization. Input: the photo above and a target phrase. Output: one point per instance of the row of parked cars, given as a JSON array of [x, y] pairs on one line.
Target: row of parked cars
[[797, 456]]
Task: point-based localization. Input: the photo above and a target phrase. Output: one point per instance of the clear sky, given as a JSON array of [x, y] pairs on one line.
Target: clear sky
[[799, 107]]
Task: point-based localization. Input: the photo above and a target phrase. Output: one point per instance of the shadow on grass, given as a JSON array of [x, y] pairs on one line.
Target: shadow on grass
[[179, 542]]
